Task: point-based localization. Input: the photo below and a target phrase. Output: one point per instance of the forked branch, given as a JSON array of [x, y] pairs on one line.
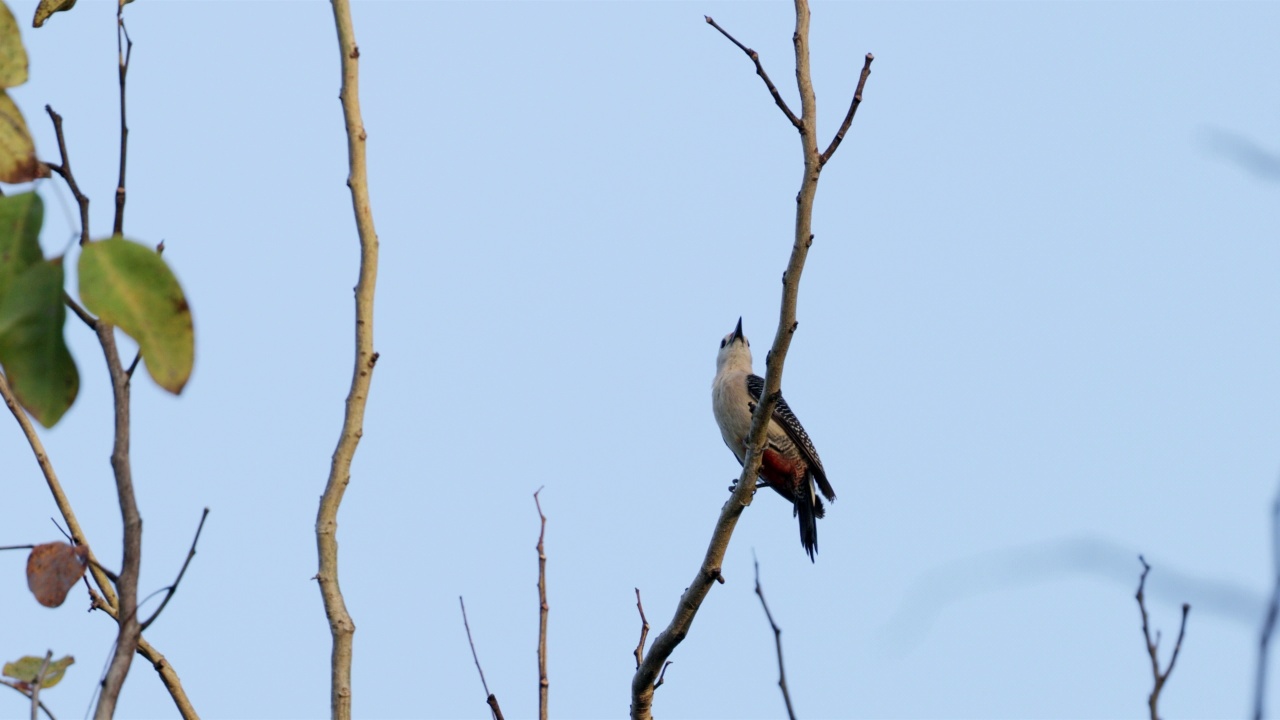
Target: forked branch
[[1153, 646], [646, 676]]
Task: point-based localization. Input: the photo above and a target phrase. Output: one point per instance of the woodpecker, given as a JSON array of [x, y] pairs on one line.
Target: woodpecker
[[790, 464]]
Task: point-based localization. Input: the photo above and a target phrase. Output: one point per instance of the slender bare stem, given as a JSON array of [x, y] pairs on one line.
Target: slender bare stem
[[169, 591], [755, 58], [1153, 646], [124, 50], [853, 109], [644, 631], [543, 684], [64, 169], [1269, 621], [341, 626], [490, 698], [777, 642], [646, 676]]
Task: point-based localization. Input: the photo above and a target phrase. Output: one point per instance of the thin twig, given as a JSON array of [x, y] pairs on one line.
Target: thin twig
[[123, 53], [1269, 621], [89, 320], [490, 698], [64, 169], [341, 627], [26, 694], [644, 631], [853, 108], [35, 686], [643, 682], [777, 641], [543, 684], [178, 580], [1158, 677], [755, 58]]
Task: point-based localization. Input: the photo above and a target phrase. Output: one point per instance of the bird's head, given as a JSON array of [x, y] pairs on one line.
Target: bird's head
[[735, 351]]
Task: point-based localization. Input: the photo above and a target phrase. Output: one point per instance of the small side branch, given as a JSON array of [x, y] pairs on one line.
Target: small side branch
[[644, 631], [35, 687], [1153, 646], [490, 698], [169, 591], [543, 684], [755, 58], [64, 169], [777, 642], [853, 109]]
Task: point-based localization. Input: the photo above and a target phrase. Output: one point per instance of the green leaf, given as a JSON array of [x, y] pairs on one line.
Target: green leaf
[[17, 152], [36, 361], [49, 7], [129, 285], [26, 668], [13, 57], [20, 219]]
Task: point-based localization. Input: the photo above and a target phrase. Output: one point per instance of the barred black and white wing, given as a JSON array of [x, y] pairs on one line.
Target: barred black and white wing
[[791, 424]]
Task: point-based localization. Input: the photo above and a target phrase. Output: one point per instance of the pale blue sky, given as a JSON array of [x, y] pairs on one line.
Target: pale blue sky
[[1038, 336]]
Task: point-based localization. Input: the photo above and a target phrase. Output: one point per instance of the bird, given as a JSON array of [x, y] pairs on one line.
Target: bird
[[790, 465]]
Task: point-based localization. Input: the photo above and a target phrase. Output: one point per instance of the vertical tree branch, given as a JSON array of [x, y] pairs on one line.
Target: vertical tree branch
[[543, 684], [777, 642], [124, 49], [643, 682], [1153, 646], [1269, 621], [127, 586], [341, 626]]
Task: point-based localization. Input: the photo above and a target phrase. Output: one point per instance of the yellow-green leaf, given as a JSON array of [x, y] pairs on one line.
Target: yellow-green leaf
[[27, 668], [49, 7], [130, 286], [20, 220], [33, 352], [17, 152], [13, 57]]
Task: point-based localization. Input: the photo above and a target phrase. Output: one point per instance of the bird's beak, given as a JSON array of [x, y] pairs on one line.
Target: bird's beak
[[737, 332]]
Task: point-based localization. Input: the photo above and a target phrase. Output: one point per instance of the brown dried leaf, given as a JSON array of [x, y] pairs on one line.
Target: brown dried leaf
[[53, 569]]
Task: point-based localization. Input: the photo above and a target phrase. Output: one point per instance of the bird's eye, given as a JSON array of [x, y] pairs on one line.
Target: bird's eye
[[722, 343]]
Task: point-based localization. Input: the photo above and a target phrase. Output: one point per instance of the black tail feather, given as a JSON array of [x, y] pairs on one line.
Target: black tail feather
[[808, 509]]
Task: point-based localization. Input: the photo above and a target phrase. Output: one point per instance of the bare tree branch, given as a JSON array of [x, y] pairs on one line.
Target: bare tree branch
[[777, 641], [490, 698], [341, 626], [543, 683], [853, 108], [643, 683], [1269, 622], [127, 607], [123, 52], [1158, 677], [644, 631], [64, 169], [755, 58], [169, 591]]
